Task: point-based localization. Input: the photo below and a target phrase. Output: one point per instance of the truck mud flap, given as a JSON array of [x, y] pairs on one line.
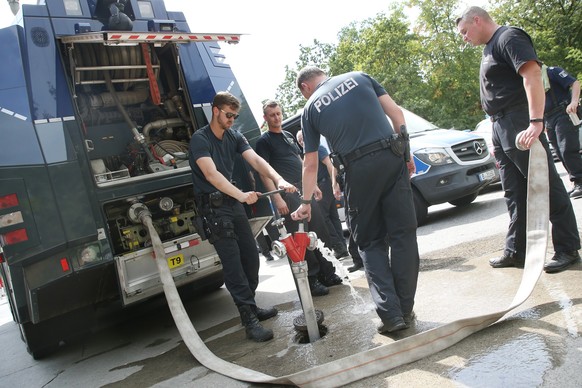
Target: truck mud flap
[[386, 357]]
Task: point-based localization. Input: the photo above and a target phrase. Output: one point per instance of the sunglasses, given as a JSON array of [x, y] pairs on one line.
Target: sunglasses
[[230, 115]]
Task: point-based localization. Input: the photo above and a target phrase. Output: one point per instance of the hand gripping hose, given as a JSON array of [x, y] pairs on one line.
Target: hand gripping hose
[[386, 357]]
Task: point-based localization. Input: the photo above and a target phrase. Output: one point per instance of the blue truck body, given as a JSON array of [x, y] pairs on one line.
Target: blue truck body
[[96, 113]]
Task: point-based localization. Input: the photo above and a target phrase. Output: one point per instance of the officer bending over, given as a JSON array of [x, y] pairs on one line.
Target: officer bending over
[[350, 111]]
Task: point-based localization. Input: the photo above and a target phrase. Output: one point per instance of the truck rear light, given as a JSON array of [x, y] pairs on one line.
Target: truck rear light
[[65, 265], [13, 237], [7, 201]]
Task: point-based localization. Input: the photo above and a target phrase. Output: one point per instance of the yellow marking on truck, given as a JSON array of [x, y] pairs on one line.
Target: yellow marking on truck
[[175, 261]]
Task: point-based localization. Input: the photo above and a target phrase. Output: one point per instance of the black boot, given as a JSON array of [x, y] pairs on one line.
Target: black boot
[[264, 314], [317, 289], [253, 328]]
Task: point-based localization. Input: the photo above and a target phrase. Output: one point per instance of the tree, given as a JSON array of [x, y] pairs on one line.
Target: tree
[[554, 25], [385, 48], [451, 67], [288, 95]]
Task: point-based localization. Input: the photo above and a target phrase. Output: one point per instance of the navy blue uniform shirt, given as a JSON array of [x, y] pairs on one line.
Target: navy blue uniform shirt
[[327, 113], [560, 83], [223, 153]]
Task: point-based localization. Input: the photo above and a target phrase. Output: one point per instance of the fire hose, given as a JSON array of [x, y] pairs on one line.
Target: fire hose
[[389, 356]]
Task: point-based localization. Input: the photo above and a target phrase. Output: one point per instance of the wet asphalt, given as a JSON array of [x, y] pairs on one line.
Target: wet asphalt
[[538, 344]]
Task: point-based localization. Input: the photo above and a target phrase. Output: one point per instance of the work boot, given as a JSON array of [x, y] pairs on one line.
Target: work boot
[[507, 261], [340, 251], [576, 191], [330, 280], [356, 266], [561, 261], [264, 314], [254, 330], [392, 325], [409, 317], [317, 289]]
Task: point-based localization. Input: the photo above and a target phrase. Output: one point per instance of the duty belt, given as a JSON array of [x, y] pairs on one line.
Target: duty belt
[[510, 109], [215, 199], [560, 108], [365, 150]]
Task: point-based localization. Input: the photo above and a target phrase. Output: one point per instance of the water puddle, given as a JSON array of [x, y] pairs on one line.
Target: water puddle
[[520, 362]]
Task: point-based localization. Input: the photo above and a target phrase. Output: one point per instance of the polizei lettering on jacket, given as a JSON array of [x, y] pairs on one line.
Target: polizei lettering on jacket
[[339, 91]]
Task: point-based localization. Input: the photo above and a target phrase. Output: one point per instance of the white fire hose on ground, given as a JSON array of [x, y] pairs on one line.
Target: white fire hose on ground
[[386, 357]]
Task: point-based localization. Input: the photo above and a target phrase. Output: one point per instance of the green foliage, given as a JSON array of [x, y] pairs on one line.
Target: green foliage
[[554, 25], [288, 94], [425, 66]]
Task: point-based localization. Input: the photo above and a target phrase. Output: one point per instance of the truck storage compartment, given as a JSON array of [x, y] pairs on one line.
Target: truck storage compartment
[[133, 107]]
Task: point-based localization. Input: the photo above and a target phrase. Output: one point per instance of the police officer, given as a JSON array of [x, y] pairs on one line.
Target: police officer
[[279, 149], [350, 111], [212, 156], [512, 93], [562, 99]]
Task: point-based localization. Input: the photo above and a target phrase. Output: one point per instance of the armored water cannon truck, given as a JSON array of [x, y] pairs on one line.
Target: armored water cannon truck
[[98, 102]]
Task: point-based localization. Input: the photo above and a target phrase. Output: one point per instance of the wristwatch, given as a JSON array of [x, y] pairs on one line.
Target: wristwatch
[[305, 201], [536, 120]]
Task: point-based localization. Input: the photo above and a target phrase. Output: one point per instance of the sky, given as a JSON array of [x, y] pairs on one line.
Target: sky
[[273, 31]]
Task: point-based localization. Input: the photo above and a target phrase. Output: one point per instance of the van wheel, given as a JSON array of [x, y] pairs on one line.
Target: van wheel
[[420, 207], [463, 201]]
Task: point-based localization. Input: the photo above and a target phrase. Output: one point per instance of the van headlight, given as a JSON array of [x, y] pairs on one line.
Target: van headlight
[[433, 156]]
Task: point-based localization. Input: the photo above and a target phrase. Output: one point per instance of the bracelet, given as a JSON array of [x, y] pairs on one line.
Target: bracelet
[[536, 120], [305, 201]]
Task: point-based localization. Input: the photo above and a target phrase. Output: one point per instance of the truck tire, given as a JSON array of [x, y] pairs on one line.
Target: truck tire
[[420, 207], [464, 201]]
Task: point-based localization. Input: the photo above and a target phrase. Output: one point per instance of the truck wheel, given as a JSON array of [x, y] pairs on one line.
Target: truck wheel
[[38, 345], [463, 201], [420, 207]]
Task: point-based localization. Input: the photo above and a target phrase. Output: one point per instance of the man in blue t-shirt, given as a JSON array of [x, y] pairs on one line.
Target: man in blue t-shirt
[[213, 151], [350, 111], [562, 100]]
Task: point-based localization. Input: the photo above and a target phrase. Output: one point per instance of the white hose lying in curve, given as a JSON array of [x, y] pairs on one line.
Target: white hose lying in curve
[[386, 357]]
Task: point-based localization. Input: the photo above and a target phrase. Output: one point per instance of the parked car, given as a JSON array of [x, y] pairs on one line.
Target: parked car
[[485, 128], [451, 166]]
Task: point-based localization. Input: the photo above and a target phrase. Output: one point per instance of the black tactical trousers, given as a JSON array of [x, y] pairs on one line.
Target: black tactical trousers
[[565, 139], [237, 250], [380, 209], [513, 170]]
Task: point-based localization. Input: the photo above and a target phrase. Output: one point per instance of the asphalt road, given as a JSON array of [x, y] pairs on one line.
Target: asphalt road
[[538, 344]]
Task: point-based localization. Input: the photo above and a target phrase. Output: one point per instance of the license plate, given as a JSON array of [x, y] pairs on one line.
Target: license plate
[[487, 175], [175, 261]]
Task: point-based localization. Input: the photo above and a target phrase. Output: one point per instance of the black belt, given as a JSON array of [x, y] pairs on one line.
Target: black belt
[[365, 150], [515, 108], [560, 108], [215, 199]]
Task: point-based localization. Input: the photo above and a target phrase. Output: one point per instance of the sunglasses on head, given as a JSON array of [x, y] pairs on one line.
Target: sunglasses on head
[[230, 115]]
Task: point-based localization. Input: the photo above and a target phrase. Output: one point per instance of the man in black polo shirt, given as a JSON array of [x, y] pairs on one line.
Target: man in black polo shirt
[[280, 150], [350, 110], [213, 150], [512, 94]]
